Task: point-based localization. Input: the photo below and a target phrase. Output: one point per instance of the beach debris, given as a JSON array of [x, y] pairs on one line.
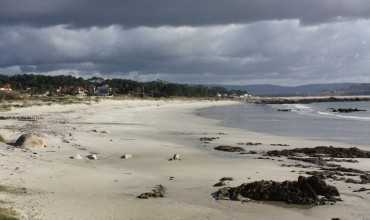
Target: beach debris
[[171, 178], [126, 156], [227, 148], [30, 140], [94, 130], [158, 191], [77, 157], [305, 191], [323, 151], [104, 132], [92, 157], [175, 157]]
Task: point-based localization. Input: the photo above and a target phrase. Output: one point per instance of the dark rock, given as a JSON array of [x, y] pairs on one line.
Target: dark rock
[[226, 179], [222, 181], [341, 160], [346, 110], [264, 158], [158, 191], [284, 110], [250, 143], [362, 189], [229, 148], [219, 184], [314, 160], [328, 151], [208, 139], [280, 145], [306, 191], [249, 152]]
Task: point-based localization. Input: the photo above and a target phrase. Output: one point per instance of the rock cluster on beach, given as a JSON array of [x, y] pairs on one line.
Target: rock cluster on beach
[[321, 156], [346, 110], [327, 151], [228, 148], [305, 191], [158, 191]]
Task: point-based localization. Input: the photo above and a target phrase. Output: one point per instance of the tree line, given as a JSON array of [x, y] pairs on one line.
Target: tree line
[[41, 84]]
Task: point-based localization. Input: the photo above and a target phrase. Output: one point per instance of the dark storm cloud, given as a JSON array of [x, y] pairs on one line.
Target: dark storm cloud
[[132, 13], [271, 51]]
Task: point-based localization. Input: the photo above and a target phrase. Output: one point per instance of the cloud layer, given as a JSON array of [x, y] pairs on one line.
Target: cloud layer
[[208, 41], [275, 50], [133, 13]]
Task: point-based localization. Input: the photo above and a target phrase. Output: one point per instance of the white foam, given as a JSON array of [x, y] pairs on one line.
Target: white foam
[[345, 116]]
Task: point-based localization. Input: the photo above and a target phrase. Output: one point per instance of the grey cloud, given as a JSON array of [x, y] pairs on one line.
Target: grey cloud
[[278, 51], [133, 13]]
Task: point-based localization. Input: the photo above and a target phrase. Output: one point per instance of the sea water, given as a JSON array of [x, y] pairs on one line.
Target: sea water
[[312, 121]]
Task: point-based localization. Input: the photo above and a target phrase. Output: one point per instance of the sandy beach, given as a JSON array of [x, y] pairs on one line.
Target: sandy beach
[[59, 187]]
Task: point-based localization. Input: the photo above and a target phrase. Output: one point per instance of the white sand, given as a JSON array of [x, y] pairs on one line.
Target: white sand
[[152, 131]]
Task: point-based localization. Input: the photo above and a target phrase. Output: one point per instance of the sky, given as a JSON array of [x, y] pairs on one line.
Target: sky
[[285, 42]]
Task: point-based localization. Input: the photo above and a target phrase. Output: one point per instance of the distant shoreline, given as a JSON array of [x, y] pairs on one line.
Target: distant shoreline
[[305, 99]]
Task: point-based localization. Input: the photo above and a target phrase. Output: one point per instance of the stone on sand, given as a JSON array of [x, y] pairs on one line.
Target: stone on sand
[[92, 157], [77, 157], [158, 191], [30, 141], [175, 157], [126, 156]]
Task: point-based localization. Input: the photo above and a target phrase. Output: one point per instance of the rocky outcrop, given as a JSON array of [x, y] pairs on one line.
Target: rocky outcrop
[[346, 110], [324, 151], [227, 148], [305, 191]]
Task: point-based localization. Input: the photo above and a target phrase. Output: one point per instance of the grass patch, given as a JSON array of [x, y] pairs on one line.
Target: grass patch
[[2, 140], [8, 214], [13, 190]]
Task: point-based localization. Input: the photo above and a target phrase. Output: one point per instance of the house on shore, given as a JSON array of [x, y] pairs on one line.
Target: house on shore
[[6, 88]]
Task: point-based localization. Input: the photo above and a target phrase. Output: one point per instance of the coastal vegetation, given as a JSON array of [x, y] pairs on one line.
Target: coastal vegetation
[[70, 85]]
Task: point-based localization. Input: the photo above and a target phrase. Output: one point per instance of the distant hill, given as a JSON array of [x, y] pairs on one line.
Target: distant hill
[[305, 90]]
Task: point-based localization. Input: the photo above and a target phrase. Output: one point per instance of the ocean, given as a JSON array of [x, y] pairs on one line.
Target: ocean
[[311, 121]]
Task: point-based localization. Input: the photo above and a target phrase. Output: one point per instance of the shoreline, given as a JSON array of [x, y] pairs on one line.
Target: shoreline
[[306, 99], [152, 131]]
